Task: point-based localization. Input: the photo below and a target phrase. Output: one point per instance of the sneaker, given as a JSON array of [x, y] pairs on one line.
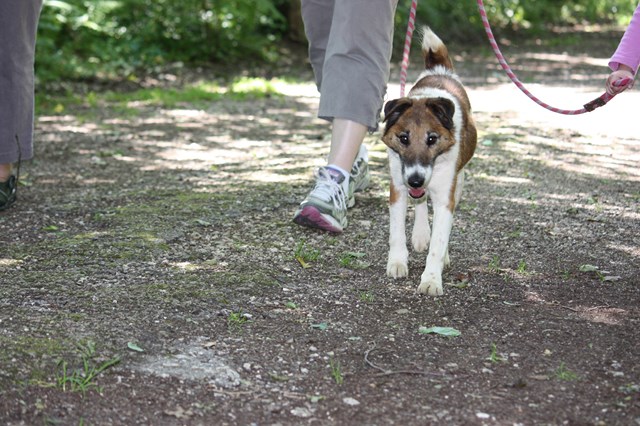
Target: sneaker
[[8, 192], [360, 175], [326, 205]]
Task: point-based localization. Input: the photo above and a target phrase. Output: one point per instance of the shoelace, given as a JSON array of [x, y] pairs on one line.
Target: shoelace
[[328, 189], [355, 170]]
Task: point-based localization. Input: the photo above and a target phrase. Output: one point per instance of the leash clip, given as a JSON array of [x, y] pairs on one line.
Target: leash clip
[[596, 103]]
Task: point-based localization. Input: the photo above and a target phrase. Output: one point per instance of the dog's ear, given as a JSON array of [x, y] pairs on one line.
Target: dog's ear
[[394, 109], [443, 109]]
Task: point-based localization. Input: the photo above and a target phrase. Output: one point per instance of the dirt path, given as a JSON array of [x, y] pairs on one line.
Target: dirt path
[[169, 230]]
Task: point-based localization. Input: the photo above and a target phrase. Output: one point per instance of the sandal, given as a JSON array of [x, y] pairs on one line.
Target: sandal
[[8, 191]]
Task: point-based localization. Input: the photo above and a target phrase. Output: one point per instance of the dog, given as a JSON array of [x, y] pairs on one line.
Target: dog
[[430, 137]]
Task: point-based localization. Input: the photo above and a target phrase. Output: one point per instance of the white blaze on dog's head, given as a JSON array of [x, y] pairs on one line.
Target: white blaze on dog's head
[[419, 130]]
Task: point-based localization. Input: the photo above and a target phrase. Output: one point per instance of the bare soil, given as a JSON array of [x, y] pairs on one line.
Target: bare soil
[[169, 231]]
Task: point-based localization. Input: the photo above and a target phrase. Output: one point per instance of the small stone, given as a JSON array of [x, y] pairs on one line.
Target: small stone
[[301, 412], [351, 401]]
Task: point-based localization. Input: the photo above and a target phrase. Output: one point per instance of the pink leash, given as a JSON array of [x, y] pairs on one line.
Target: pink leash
[[597, 102], [407, 46]]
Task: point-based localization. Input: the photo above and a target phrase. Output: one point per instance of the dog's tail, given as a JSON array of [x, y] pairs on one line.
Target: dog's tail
[[434, 51]]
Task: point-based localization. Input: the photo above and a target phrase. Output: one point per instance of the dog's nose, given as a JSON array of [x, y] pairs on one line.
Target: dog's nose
[[416, 181]]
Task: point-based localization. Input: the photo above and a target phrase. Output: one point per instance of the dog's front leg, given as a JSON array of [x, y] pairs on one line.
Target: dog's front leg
[[397, 264], [431, 280], [421, 233]]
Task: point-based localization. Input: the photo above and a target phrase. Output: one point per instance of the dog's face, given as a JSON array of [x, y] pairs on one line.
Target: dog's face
[[418, 130]]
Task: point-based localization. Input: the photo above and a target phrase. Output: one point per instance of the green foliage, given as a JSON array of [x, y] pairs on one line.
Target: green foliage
[[88, 39], [84, 378], [336, 371], [83, 39], [461, 21], [564, 374]]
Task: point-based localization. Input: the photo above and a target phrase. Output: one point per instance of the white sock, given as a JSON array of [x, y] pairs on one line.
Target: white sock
[[346, 174]]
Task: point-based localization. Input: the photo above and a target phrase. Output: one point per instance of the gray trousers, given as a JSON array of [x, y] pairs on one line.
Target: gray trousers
[[18, 25], [350, 43]]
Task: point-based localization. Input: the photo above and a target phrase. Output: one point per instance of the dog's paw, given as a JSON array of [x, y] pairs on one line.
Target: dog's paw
[[420, 239], [447, 261], [431, 285], [397, 269]]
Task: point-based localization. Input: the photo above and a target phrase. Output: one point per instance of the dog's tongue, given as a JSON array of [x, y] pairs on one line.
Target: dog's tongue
[[416, 192]]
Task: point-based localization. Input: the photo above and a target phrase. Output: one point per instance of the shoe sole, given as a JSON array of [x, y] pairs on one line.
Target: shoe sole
[[311, 217]]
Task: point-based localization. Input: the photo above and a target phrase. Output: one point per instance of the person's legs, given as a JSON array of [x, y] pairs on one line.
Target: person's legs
[[18, 27], [5, 171], [317, 16], [352, 84]]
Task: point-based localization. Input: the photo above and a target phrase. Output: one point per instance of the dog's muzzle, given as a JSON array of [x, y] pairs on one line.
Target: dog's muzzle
[[415, 186]]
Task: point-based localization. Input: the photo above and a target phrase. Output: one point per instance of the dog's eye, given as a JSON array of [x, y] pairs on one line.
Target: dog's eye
[[432, 139], [404, 138]]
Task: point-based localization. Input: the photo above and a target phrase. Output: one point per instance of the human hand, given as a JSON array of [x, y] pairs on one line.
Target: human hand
[[622, 74]]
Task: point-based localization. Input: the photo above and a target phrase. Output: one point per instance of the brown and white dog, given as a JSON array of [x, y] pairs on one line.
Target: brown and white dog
[[430, 136]]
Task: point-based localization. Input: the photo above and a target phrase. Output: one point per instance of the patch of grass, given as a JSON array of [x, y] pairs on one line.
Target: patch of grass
[[366, 297], [466, 207], [515, 234], [352, 260], [336, 371], [564, 374], [84, 378], [494, 357], [522, 267], [304, 254], [630, 389], [494, 263], [235, 320], [240, 89], [291, 305]]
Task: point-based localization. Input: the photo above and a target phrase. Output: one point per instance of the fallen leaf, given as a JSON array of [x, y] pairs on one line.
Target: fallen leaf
[[304, 264], [442, 331], [134, 347], [588, 268]]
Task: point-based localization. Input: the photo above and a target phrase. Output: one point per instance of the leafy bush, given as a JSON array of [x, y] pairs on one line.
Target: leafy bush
[[87, 39], [460, 20]]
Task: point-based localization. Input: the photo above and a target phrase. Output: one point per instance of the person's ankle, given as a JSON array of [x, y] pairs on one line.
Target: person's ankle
[[5, 172]]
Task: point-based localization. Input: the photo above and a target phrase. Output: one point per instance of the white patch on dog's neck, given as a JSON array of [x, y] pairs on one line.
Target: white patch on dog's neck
[[439, 70]]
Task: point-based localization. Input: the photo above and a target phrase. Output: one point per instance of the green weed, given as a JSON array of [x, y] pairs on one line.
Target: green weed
[[353, 260], [304, 255], [564, 374], [235, 320], [516, 234], [494, 263], [336, 372], [366, 297], [83, 379], [494, 357], [522, 267]]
